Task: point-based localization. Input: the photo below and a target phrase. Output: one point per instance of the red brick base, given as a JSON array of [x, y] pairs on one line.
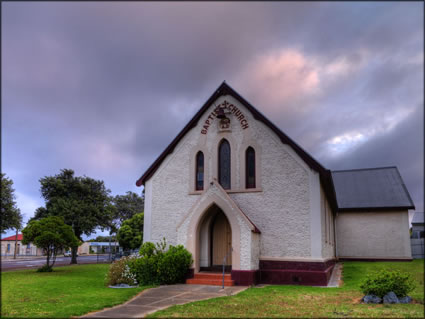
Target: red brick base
[[286, 273]]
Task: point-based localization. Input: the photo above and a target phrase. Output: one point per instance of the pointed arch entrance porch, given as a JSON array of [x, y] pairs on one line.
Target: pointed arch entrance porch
[[216, 213]]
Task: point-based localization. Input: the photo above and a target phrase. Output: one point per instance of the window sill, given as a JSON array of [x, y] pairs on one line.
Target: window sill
[[196, 192], [245, 190], [232, 191]]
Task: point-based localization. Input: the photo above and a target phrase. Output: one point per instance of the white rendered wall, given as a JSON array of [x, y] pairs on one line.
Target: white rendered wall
[[373, 234], [327, 227], [147, 215], [280, 207]]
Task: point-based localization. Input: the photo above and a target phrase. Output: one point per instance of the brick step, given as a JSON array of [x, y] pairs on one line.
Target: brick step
[[209, 276], [211, 282]]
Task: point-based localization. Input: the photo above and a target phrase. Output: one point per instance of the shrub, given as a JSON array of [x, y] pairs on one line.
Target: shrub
[[120, 273], [159, 266], [174, 264], [382, 282], [145, 270], [45, 268]]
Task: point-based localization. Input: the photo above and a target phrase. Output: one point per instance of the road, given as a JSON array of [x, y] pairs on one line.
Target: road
[[36, 262]]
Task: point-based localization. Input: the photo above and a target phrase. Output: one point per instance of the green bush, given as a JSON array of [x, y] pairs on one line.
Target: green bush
[[174, 264], [120, 273], [145, 269], [156, 265], [45, 268], [382, 282]]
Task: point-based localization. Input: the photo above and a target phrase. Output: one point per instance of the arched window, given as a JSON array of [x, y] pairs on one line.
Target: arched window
[[250, 167], [224, 164], [199, 171]]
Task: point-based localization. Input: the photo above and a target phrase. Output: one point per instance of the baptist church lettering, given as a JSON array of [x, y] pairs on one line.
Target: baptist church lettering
[[233, 109]]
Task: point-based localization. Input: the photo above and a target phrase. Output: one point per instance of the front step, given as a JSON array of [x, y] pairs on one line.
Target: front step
[[213, 279]]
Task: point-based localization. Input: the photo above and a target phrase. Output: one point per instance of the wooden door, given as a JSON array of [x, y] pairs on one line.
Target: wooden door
[[221, 241]]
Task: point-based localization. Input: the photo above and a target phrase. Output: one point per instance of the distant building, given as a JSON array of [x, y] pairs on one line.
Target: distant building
[[97, 247], [417, 236], [8, 247]]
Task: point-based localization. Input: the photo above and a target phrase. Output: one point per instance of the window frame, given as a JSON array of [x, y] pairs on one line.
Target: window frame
[[197, 187], [247, 167], [221, 143]]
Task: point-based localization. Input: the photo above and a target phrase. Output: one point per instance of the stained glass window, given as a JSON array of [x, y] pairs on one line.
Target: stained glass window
[[224, 164], [250, 167], [200, 171]]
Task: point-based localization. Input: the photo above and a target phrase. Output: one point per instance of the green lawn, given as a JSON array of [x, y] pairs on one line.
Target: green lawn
[[65, 292], [303, 301]]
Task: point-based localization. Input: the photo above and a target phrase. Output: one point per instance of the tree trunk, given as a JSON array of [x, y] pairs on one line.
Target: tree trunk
[[74, 255], [55, 252], [110, 232], [48, 257], [16, 243]]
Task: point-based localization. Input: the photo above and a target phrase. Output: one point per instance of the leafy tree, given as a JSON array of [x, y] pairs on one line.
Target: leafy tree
[[124, 207], [128, 205], [130, 235], [102, 239], [83, 202], [50, 234], [11, 216]]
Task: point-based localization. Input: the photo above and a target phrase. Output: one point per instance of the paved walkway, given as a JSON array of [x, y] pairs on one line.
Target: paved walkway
[[336, 278], [155, 299]]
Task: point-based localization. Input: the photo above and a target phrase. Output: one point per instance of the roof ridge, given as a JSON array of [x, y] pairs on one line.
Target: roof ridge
[[363, 169]]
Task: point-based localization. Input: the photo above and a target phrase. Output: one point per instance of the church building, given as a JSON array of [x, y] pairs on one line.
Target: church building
[[235, 190]]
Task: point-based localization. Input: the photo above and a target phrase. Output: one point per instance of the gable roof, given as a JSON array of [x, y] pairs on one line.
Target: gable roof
[[379, 188], [225, 89], [20, 237], [418, 218]]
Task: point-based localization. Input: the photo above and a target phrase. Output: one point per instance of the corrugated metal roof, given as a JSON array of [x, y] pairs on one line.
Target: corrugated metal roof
[[20, 237], [418, 218], [380, 187]]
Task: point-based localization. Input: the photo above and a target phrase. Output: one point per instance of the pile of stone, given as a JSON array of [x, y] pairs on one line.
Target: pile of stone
[[389, 298], [122, 286]]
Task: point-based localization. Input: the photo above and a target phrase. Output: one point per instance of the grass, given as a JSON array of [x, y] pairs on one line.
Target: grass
[[304, 301], [65, 292]]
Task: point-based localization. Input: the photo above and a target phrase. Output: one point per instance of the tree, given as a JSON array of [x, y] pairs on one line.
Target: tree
[[101, 239], [130, 235], [11, 217], [50, 234], [128, 205], [83, 202], [124, 208]]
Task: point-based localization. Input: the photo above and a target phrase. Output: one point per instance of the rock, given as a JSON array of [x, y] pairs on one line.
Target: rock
[[122, 286], [391, 298], [371, 299], [406, 299]]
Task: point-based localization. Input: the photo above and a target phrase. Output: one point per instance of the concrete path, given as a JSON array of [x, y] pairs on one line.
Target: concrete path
[[155, 299], [336, 278]]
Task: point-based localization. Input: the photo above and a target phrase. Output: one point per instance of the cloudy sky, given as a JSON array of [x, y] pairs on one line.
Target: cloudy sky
[[102, 88]]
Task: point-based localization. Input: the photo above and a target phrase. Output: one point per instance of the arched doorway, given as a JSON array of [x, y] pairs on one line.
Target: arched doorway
[[215, 241]]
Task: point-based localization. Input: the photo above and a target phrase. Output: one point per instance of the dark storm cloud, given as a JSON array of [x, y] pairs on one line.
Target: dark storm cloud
[[104, 87]]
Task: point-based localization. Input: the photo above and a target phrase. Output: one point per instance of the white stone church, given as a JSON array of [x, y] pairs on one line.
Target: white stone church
[[235, 190]]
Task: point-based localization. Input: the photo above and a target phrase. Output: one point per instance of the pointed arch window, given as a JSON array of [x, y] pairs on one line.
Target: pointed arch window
[[224, 164], [250, 167], [199, 183]]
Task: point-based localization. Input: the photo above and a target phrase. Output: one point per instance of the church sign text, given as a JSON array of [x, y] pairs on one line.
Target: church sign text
[[230, 108]]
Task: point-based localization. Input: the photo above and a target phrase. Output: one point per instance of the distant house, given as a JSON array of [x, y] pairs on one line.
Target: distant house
[[97, 247], [417, 237], [8, 247]]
